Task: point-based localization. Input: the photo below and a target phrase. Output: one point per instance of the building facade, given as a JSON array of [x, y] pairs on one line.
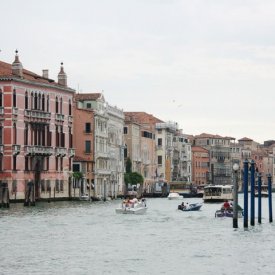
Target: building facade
[[84, 151], [107, 145], [36, 133], [220, 157], [200, 165]]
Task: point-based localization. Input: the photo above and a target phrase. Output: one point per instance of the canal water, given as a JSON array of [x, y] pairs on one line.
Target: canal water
[[90, 238]]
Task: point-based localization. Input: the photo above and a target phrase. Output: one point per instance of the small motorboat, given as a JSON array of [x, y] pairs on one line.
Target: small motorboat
[[190, 206], [84, 197], [174, 196], [228, 212], [133, 206]]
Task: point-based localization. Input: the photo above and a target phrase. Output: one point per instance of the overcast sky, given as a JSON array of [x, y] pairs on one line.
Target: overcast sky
[[208, 65]]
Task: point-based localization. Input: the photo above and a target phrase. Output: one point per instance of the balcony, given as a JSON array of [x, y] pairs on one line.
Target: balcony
[[38, 150], [101, 155], [38, 115], [59, 117], [60, 152], [15, 111], [70, 119], [1, 110], [71, 152], [1, 149], [16, 149]]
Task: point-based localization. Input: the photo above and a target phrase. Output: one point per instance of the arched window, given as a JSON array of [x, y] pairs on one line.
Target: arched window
[[14, 134], [43, 102], [32, 101], [61, 103], [26, 100], [1, 134], [56, 105], [35, 101], [48, 103], [1, 98], [39, 102], [14, 98], [70, 107], [26, 133]]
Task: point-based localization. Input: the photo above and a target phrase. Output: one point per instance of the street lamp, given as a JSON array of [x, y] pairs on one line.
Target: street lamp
[[235, 195]]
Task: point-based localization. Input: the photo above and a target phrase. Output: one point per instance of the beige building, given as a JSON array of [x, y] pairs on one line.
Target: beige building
[[220, 156], [139, 134]]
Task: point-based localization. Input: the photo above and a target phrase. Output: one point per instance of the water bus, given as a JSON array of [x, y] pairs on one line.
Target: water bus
[[264, 190], [218, 193]]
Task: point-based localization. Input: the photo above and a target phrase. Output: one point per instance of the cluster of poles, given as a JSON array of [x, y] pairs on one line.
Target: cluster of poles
[[252, 195]]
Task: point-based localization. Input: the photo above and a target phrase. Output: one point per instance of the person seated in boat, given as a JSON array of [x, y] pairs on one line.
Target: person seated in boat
[[226, 205], [143, 201]]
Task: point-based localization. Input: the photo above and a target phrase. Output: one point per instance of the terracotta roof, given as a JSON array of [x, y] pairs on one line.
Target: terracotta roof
[[6, 72], [88, 96], [245, 139], [205, 135], [198, 149], [142, 117]]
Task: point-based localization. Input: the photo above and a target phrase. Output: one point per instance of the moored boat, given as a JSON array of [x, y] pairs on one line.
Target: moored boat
[[174, 196], [264, 191]]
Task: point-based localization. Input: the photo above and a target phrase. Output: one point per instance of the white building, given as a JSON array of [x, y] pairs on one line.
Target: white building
[[115, 125]]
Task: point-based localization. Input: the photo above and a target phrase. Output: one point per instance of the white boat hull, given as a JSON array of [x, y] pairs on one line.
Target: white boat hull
[[129, 210], [174, 196]]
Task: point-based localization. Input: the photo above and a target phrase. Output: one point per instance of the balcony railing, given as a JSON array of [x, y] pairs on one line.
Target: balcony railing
[[59, 117], [71, 152], [16, 149], [60, 152], [70, 119], [37, 114], [39, 150], [15, 111], [101, 155], [1, 149]]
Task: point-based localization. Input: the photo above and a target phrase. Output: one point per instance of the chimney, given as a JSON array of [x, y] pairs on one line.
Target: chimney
[[62, 77], [45, 73], [16, 67]]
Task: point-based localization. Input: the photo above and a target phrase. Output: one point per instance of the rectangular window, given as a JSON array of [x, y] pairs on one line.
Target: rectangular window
[[159, 160], [76, 167], [159, 141], [87, 146], [14, 163], [26, 164], [48, 185], [61, 186], [43, 187], [89, 105], [57, 189], [87, 127], [125, 130]]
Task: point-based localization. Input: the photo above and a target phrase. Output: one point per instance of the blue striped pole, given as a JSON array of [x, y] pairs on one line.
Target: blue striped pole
[[259, 198], [252, 193], [245, 206], [269, 197]]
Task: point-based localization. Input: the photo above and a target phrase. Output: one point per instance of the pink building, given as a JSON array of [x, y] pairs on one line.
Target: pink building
[[36, 126]]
